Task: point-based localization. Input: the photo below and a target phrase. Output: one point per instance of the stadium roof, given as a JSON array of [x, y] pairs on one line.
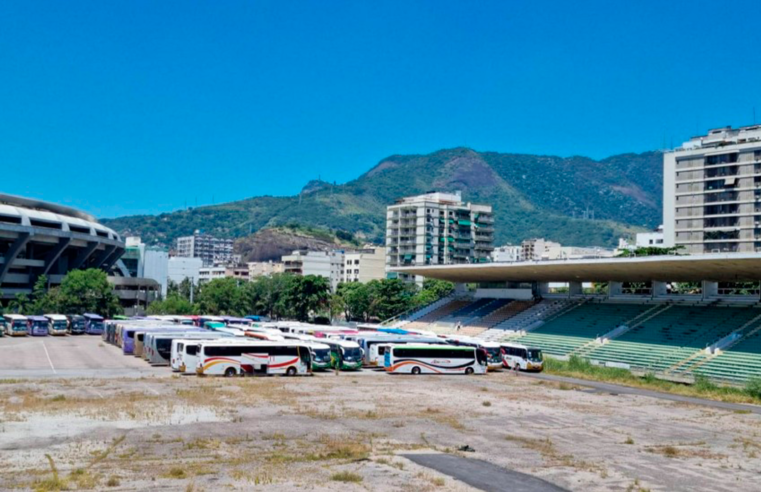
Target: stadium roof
[[719, 267]]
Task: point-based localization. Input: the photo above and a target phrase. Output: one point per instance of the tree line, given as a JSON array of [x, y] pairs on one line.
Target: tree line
[[303, 298], [81, 291]]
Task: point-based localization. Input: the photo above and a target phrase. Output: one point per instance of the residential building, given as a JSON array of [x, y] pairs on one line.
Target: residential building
[[437, 229], [180, 268], [143, 261], [207, 274], [712, 192], [506, 254], [365, 265], [212, 250], [328, 264], [240, 273], [264, 269], [541, 249]]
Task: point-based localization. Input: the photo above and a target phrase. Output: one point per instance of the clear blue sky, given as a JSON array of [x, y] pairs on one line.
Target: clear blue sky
[[142, 106]]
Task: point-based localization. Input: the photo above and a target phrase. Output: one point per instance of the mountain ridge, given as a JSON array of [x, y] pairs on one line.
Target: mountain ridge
[[532, 195]]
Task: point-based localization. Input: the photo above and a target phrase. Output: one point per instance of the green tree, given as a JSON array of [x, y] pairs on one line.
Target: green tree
[[173, 304], [307, 295], [181, 290], [44, 300], [84, 291], [19, 304], [432, 291], [354, 300], [222, 296], [650, 251], [389, 297], [270, 295]]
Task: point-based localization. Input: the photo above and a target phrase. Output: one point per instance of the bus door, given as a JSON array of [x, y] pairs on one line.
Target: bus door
[[481, 357], [306, 358]]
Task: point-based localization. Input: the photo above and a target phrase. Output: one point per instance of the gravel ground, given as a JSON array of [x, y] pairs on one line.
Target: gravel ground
[[347, 431]]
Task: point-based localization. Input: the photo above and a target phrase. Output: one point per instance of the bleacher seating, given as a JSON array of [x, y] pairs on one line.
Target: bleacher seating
[[438, 313], [673, 335], [466, 312], [580, 325], [501, 313], [738, 363], [545, 309]]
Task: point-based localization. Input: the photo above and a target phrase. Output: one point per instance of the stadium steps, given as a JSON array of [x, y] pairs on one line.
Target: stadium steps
[[514, 326], [738, 363], [672, 336], [438, 313], [503, 313], [467, 311], [574, 328]]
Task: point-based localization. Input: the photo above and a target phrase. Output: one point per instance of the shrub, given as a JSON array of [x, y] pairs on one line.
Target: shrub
[[753, 387], [346, 477]]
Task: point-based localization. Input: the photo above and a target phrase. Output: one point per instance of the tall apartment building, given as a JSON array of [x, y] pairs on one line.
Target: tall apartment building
[[365, 265], [712, 192], [212, 250], [321, 263], [437, 229]]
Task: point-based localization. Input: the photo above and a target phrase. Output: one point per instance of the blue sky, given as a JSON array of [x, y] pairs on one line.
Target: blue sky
[[145, 106]]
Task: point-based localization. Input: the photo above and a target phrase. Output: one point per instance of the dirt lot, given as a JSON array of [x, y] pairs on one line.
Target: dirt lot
[[346, 431]]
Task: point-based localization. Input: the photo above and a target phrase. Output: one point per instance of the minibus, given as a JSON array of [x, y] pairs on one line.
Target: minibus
[[59, 325], [523, 358], [39, 326], [16, 325], [76, 324], [93, 324], [434, 359]]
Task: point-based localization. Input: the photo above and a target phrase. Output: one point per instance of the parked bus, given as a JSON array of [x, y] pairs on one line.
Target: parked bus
[[434, 359], [287, 358], [493, 349], [16, 325], [344, 354], [222, 358], [178, 347], [76, 324], [189, 355], [521, 357], [158, 345], [39, 326], [369, 340], [59, 325], [93, 324]]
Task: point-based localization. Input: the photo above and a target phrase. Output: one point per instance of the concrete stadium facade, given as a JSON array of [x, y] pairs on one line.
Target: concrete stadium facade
[[41, 238]]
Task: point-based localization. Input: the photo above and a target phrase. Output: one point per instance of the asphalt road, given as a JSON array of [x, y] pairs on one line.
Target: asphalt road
[[482, 474], [69, 356], [628, 390]]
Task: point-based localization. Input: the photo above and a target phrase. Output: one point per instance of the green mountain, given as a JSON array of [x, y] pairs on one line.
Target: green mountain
[[576, 201]]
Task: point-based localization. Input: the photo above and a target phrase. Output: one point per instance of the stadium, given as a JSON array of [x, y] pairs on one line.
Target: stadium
[[40, 238], [640, 316]]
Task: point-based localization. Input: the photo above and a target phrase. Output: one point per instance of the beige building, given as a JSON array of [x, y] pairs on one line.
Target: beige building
[[264, 269], [712, 192], [541, 249], [437, 229], [325, 264], [365, 265]]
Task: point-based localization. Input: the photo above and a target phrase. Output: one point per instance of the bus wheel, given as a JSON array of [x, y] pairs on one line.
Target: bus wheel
[[416, 370], [291, 371], [230, 372], [468, 371]]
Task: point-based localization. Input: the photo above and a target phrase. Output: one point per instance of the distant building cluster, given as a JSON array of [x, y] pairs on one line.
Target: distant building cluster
[[541, 250]]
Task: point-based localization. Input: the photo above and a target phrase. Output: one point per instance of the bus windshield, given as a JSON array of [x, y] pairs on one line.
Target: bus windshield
[[352, 353], [19, 325], [494, 353], [535, 355], [59, 325], [321, 354]]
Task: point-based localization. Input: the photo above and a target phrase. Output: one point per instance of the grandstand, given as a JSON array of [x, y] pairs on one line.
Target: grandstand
[[712, 333]]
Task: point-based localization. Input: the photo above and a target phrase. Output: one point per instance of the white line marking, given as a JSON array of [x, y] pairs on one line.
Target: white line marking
[[50, 361]]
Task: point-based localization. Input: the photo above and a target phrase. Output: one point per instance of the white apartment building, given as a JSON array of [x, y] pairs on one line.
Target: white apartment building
[[178, 269], [437, 229], [264, 269], [365, 265], [712, 192], [321, 263], [542, 250], [207, 274], [507, 254], [143, 261], [212, 250]]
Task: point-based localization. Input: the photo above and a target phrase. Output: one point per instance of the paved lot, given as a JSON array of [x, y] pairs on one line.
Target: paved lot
[[69, 356]]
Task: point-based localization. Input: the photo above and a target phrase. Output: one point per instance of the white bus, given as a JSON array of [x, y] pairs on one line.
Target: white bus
[[521, 357], [59, 324], [434, 359], [16, 325], [189, 355], [223, 358], [279, 357], [493, 349], [178, 348]]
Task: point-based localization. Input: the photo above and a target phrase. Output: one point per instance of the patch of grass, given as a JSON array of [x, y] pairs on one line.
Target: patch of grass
[[112, 482], [629, 440], [486, 403], [203, 444], [176, 473], [83, 479], [346, 477], [703, 388], [58, 398]]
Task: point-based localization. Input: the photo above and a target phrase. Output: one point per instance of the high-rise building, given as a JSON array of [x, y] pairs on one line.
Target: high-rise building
[[180, 268], [212, 250], [365, 265], [712, 192], [437, 229], [145, 261]]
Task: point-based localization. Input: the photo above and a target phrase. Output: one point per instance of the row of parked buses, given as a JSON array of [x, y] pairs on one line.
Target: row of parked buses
[[212, 345], [16, 325]]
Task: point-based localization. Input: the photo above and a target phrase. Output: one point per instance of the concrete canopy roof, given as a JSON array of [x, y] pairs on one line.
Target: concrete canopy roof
[[719, 267]]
